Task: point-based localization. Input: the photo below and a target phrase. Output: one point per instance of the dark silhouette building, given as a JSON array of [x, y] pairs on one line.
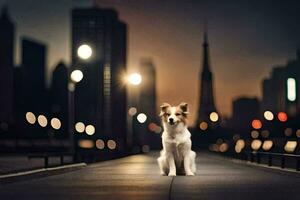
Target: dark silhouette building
[[147, 104], [7, 33], [34, 65], [100, 98], [281, 90], [59, 96], [244, 110], [206, 98]]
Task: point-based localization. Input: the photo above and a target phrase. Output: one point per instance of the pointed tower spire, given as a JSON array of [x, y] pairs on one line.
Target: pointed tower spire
[[206, 93]]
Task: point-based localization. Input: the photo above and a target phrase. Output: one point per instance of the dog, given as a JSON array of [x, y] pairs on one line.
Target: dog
[[176, 156]]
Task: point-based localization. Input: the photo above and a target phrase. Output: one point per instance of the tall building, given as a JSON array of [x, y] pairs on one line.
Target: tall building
[[59, 96], [147, 104], [100, 98], [7, 33], [206, 98], [244, 110], [286, 80], [34, 66]]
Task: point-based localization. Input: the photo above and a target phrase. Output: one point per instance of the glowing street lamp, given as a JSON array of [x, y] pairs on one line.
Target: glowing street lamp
[[84, 51], [135, 79], [76, 76], [291, 89]]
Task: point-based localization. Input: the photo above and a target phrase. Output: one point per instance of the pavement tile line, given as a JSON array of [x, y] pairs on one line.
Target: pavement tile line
[[50, 169], [170, 188]]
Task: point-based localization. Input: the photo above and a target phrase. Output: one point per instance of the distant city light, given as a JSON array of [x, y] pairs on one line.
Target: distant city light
[[42, 120], [290, 146], [76, 75], [145, 148], [256, 124], [84, 51], [291, 89], [254, 134], [30, 117], [288, 132], [239, 145], [214, 116], [132, 111], [236, 137], [135, 79], [100, 144], [265, 133], [86, 144], [79, 127], [256, 144], [142, 118], [90, 129], [298, 133], [267, 145], [268, 115], [282, 116], [223, 147], [203, 126], [55, 123], [111, 144]]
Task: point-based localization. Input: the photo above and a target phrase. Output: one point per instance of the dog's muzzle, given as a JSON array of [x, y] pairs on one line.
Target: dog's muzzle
[[171, 121]]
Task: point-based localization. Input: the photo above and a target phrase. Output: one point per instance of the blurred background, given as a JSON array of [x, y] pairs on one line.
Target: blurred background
[[86, 78]]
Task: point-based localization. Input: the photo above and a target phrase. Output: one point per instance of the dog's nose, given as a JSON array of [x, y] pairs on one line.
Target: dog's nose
[[171, 120]]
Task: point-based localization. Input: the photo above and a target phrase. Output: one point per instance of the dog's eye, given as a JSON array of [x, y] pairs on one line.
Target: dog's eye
[[168, 114], [177, 114]]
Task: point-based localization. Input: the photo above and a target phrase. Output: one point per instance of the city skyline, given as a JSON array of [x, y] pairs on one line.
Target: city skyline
[[253, 59]]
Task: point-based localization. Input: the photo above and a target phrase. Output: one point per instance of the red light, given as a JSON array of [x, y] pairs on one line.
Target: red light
[[152, 126], [282, 116], [256, 124]]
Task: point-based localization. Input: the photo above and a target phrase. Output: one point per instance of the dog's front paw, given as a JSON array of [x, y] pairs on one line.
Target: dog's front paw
[[190, 174], [172, 174]]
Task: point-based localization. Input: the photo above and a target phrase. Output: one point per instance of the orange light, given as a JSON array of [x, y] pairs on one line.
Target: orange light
[[282, 116], [256, 124], [152, 127]]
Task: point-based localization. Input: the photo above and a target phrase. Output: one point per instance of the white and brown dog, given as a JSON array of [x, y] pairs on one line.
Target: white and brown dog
[[176, 155]]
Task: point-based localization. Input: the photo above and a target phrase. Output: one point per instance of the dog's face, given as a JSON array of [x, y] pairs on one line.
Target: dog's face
[[174, 114]]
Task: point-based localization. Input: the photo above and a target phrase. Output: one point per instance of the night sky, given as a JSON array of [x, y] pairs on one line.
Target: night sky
[[247, 39]]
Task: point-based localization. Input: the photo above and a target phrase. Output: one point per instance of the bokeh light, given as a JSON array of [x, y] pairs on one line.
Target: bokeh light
[[90, 129], [203, 126], [100, 144], [288, 132], [298, 133], [84, 51], [267, 145], [135, 79], [256, 144], [111, 144], [268, 115], [265, 133], [76, 75], [223, 147], [42, 120], [145, 148], [30, 117], [55, 123], [290, 146], [214, 117], [142, 118], [79, 127], [239, 145], [282, 116], [256, 124], [132, 111], [254, 134], [86, 144]]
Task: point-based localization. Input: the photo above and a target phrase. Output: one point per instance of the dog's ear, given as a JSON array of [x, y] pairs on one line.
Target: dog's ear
[[163, 108], [184, 107]]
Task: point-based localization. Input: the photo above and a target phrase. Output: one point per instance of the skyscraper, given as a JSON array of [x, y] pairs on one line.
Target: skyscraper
[[147, 104], [206, 98], [100, 98], [34, 66], [7, 33]]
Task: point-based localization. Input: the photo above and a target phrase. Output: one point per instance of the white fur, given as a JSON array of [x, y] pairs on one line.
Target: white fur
[[176, 155]]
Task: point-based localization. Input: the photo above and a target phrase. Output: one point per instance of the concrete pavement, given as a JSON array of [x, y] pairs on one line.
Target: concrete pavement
[[137, 177]]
